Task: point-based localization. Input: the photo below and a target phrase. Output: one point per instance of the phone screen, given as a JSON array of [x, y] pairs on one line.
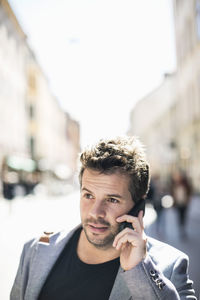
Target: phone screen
[[140, 205]]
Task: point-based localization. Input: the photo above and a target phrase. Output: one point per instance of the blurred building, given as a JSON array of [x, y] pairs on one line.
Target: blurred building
[[48, 125], [151, 120], [36, 135], [13, 82], [73, 142], [168, 119], [187, 106]]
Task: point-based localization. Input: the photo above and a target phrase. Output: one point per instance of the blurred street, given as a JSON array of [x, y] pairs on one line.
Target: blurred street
[[26, 218], [29, 216]]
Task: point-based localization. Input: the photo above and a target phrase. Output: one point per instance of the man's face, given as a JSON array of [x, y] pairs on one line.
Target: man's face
[[104, 197]]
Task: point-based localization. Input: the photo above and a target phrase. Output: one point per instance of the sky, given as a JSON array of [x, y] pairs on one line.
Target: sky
[[100, 56]]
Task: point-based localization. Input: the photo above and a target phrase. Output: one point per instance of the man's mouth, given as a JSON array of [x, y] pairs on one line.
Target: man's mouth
[[97, 228]]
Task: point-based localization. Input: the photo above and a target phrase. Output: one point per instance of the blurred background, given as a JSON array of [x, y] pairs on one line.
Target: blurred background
[[72, 72]]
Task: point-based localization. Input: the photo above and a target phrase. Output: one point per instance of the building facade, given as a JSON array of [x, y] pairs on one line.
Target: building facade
[[172, 132], [35, 133], [13, 82], [73, 143], [187, 106], [150, 120], [53, 135]]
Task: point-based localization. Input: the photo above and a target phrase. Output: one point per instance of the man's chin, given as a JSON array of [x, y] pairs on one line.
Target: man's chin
[[102, 244], [100, 241]]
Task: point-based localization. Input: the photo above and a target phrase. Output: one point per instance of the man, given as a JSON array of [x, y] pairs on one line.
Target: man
[[98, 260]]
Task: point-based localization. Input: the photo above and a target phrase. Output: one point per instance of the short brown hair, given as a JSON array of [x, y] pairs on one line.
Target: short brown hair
[[123, 154]]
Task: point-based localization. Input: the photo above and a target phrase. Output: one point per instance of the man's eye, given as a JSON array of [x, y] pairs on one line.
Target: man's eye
[[88, 196], [113, 200]]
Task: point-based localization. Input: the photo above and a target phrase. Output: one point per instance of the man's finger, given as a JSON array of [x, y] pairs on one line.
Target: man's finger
[[133, 220], [121, 234], [126, 238]]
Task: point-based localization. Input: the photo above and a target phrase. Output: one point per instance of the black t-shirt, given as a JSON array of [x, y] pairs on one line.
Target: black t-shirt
[[72, 279]]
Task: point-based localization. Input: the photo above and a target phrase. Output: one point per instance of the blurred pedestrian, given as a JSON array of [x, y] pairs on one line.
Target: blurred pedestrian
[[9, 181], [157, 194], [181, 191]]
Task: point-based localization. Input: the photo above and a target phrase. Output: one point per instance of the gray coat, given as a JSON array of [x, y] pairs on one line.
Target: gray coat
[[161, 275]]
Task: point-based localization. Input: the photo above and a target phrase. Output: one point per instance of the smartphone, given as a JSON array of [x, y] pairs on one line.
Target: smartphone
[[140, 205]]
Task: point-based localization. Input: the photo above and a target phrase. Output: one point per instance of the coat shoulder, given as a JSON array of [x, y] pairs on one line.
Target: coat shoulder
[[49, 237], [156, 246]]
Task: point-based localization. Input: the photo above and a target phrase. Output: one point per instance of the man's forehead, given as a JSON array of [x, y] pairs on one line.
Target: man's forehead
[[97, 177]]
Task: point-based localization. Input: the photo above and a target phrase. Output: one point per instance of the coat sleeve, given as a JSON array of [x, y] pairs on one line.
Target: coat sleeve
[[146, 281], [181, 279]]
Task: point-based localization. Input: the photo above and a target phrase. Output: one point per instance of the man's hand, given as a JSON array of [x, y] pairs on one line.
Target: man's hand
[[131, 242]]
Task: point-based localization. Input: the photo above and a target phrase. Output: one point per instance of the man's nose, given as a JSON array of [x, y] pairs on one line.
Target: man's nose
[[98, 210]]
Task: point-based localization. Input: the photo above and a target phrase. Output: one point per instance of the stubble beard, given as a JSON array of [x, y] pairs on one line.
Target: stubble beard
[[102, 243]]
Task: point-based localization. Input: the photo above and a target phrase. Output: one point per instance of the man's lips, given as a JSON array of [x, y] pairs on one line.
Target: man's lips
[[98, 228]]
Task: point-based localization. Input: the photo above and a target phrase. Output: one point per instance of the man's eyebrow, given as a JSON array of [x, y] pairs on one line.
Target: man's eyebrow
[[114, 195], [85, 189], [108, 195]]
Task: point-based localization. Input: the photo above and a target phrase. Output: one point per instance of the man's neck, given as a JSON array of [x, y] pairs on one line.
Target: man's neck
[[90, 254]]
